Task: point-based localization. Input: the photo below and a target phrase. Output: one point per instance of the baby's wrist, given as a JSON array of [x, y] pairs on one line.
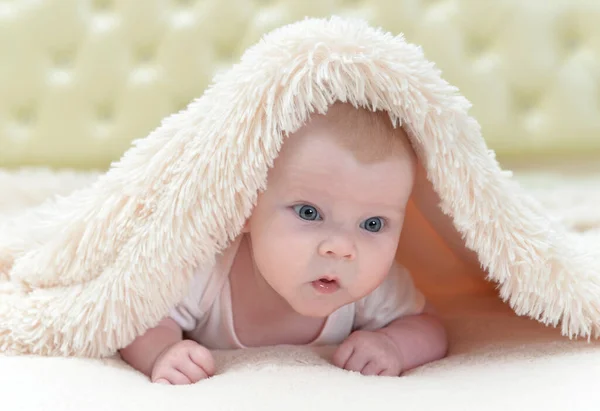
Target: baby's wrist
[[391, 338], [163, 351]]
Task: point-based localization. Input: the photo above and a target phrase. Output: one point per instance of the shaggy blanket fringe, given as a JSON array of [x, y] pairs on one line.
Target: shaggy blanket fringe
[[85, 273]]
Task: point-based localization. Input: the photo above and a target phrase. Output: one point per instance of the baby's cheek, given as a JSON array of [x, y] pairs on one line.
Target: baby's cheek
[[281, 251], [287, 238], [371, 276], [362, 287]]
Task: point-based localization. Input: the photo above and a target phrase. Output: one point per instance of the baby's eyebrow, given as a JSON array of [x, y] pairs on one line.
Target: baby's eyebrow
[[300, 192], [390, 210]]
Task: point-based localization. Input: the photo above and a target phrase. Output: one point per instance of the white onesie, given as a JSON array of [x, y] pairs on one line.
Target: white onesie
[[205, 314]]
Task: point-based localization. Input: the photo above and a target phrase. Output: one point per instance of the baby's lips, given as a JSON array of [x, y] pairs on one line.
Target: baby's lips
[[325, 286], [329, 278]]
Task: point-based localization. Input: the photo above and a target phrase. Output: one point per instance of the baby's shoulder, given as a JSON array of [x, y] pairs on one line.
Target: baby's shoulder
[[395, 297], [204, 288], [208, 279], [397, 286]]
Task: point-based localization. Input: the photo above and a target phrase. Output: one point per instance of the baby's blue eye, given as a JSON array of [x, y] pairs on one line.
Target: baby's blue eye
[[373, 224], [307, 212]]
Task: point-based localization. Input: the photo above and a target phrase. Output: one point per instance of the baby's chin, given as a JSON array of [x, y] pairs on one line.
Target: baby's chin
[[316, 309]]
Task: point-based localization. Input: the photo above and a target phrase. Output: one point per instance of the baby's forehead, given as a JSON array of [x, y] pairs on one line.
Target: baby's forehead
[[338, 186], [369, 136], [317, 147], [328, 171], [327, 155]]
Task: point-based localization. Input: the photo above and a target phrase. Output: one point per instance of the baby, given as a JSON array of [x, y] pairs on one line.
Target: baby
[[314, 264]]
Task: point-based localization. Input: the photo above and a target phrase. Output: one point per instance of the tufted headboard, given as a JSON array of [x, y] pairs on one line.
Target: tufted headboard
[[80, 79]]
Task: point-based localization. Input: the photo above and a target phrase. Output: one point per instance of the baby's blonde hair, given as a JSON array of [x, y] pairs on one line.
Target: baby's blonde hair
[[369, 135]]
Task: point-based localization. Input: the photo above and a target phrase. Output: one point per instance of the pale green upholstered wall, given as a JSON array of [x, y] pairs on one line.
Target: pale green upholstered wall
[[80, 79]]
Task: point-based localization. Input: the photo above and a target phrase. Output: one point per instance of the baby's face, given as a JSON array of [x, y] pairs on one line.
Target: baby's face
[[325, 231]]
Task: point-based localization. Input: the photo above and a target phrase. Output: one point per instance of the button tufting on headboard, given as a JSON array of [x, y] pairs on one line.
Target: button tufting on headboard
[[80, 80]]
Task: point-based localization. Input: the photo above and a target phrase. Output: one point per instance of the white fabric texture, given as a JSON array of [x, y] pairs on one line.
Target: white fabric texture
[[206, 312]]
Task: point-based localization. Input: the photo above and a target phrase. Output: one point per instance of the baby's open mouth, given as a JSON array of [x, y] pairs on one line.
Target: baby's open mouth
[[326, 285]]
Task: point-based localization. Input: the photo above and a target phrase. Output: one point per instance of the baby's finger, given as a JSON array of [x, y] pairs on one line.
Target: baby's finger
[[371, 368], [191, 370], [342, 354], [389, 372], [202, 357], [173, 376], [357, 361]]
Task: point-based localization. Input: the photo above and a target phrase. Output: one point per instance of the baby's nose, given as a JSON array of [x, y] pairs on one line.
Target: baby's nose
[[338, 247]]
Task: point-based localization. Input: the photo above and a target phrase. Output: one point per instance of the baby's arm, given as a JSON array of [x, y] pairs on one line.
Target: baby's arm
[[163, 355], [142, 353], [405, 343], [420, 339], [396, 330]]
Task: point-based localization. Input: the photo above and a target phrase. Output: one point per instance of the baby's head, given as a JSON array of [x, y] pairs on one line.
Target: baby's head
[[324, 233]]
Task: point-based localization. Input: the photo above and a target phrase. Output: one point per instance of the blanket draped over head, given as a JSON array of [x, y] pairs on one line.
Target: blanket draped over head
[[85, 274]]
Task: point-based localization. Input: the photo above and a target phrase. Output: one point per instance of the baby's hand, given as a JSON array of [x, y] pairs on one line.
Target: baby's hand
[[370, 353], [185, 362]]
